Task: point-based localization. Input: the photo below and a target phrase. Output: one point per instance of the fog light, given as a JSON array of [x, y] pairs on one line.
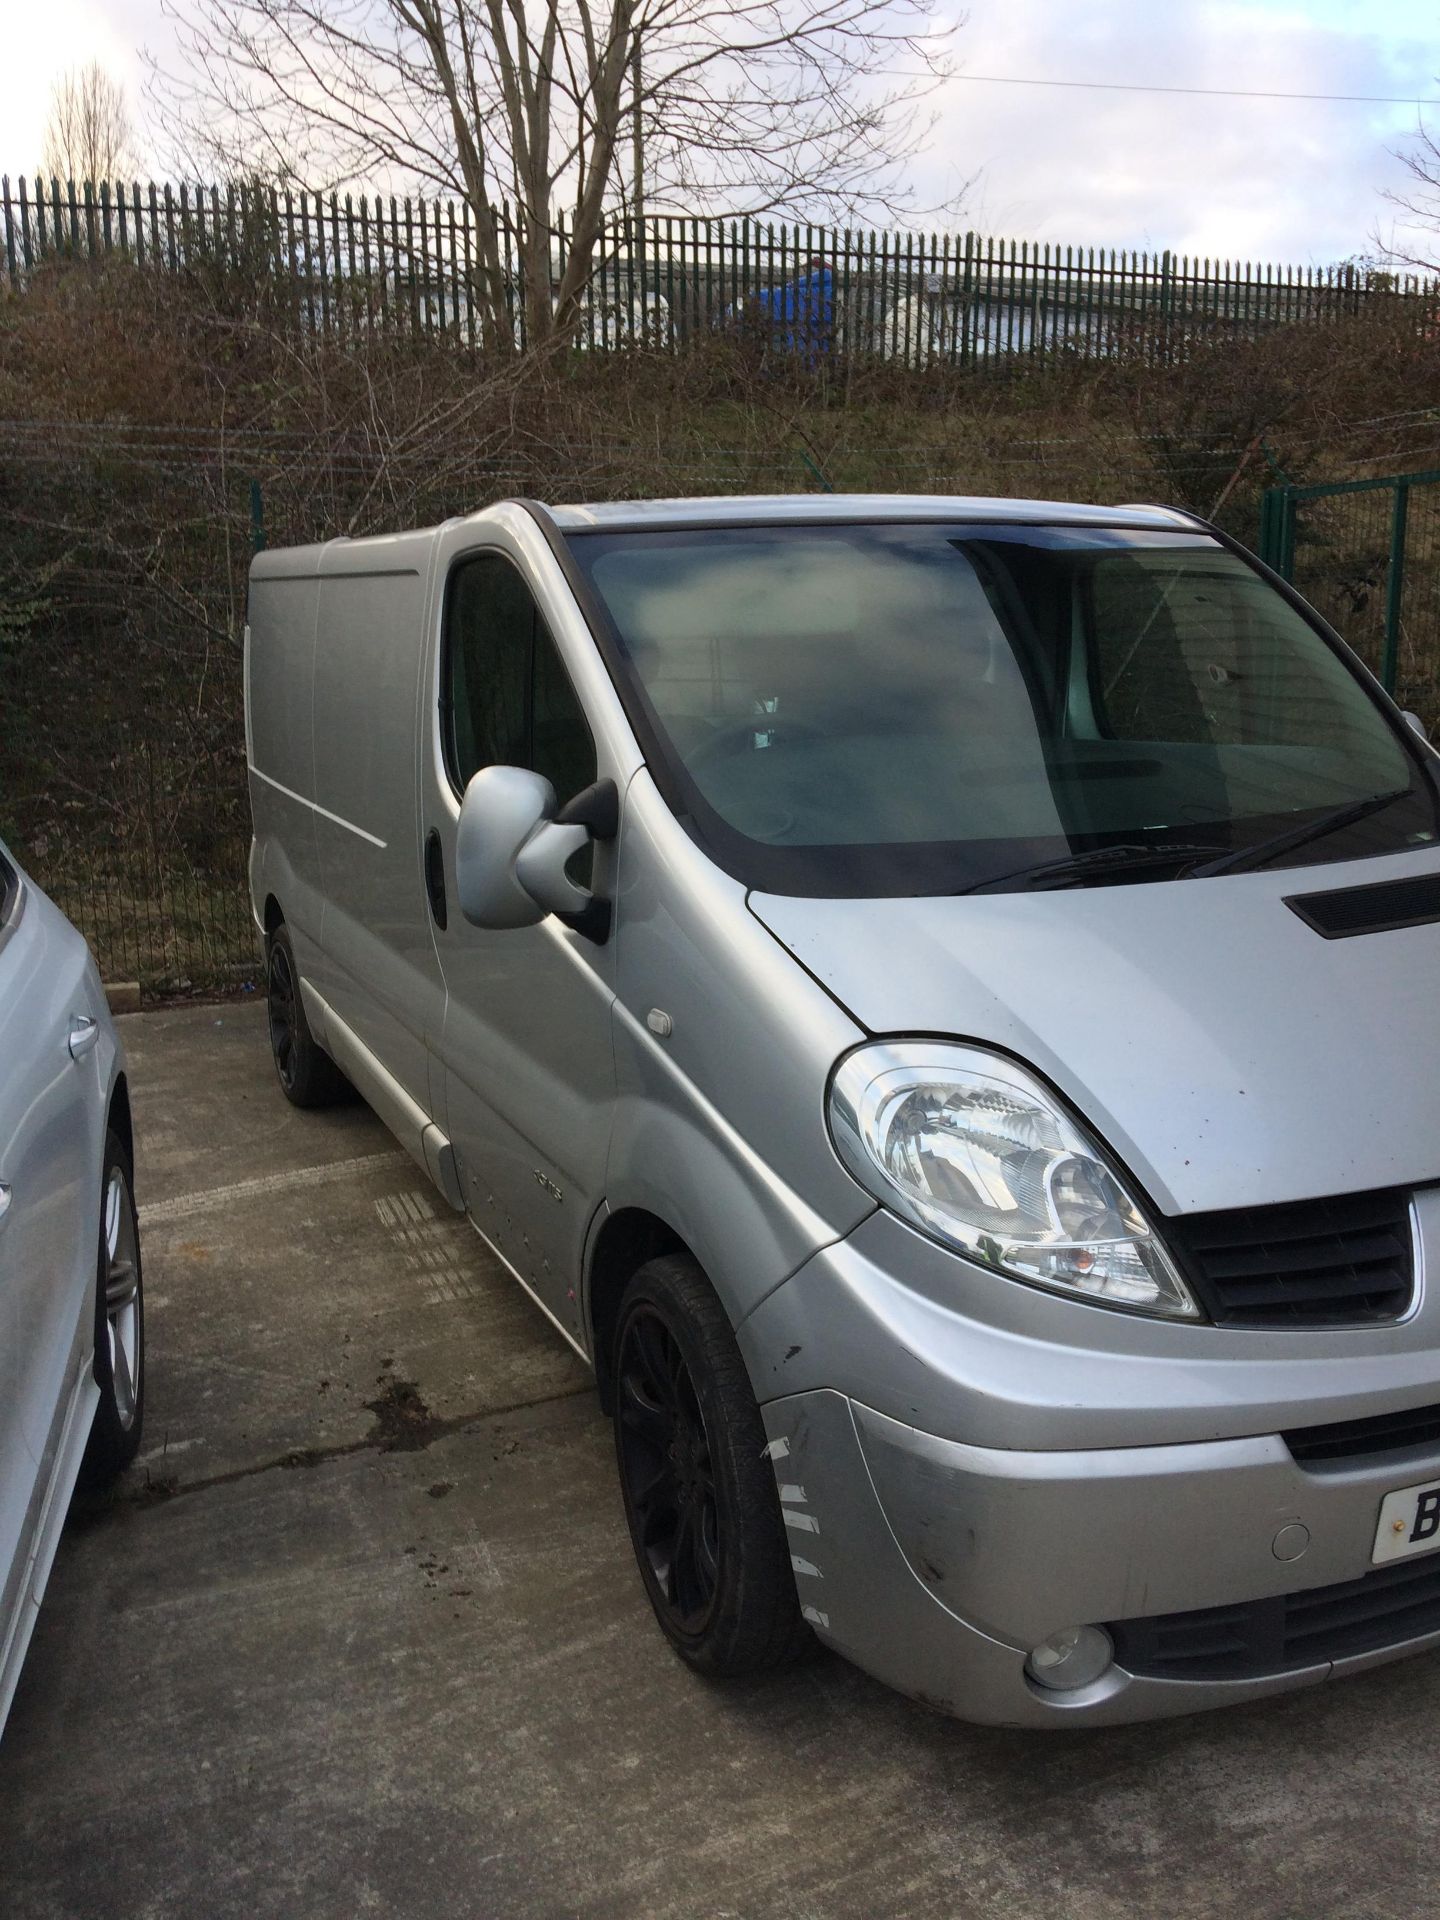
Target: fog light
[[1070, 1659]]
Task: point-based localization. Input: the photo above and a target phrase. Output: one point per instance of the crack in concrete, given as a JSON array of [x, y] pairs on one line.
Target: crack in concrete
[[403, 1424]]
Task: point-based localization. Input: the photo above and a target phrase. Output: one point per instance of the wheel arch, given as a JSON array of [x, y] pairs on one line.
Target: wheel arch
[[623, 1242], [119, 1120], [273, 916]]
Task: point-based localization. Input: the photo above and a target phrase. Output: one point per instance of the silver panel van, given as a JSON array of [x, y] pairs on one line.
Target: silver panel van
[[936, 999]]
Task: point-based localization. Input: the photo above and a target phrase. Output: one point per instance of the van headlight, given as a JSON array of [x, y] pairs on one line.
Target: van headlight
[[974, 1151]]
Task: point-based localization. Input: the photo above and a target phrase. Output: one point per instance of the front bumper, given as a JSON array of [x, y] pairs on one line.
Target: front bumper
[[936, 1565], [968, 1466]]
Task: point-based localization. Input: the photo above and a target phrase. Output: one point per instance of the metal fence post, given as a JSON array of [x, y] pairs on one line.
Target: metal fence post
[[257, 518], [1277, 529], [1394, 588], [1289, 516], [9, 228], [1167, 302], [1265, 545]]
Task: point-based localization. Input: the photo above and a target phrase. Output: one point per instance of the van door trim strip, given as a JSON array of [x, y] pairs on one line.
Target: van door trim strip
[[315, 807]]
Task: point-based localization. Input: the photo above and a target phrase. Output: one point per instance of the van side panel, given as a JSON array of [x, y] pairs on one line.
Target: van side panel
[[744, 1059], [279, 703], [378, 968]]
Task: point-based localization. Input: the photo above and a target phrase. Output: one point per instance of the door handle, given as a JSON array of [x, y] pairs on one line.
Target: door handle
[[84, 1032], [435, 878], [4, 1201]]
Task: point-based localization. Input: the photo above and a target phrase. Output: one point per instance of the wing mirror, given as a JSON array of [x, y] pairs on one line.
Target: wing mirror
[[512, 849], [1418, 725]]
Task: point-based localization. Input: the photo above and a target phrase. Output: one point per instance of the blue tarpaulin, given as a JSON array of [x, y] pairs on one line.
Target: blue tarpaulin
[[801, 314]]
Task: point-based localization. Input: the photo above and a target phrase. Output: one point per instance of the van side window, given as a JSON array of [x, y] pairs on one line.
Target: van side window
[[1199, 651], [506, 695], [1146, 687]]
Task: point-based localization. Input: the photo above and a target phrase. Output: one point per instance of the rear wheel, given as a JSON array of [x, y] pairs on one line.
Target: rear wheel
[[308, 1076], [699, 1492], [119, 1325]]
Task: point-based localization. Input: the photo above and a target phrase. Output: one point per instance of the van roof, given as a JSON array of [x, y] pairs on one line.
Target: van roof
[[747, 509], [343, 555]]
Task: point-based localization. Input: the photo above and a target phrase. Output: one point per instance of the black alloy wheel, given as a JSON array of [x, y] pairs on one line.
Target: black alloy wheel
[[699, 1488], [668, 1473], [308, 1076], [281, 1003]]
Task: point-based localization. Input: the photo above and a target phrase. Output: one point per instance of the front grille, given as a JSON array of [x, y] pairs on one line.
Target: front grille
[[1380, 1609], [1308, 1263], [1345, 1440]]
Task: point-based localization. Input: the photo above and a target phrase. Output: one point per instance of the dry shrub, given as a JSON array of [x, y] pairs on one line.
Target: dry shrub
[[1314, 401]]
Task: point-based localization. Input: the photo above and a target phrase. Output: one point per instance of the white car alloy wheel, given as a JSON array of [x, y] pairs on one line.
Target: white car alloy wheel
[[119, 1325], [122, 1297]]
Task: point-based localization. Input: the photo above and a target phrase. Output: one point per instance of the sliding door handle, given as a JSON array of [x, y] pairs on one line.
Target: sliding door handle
[[435, 878]]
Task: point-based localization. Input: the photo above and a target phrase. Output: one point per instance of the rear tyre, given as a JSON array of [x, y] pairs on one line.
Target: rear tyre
[[308, 1076], [699, 1492], [119, 1326]]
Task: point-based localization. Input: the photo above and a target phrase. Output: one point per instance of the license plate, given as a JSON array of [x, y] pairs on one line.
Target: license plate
[[1409, 1523]]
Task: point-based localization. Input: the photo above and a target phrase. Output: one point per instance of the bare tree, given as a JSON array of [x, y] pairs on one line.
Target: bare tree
[[737, 106], [1417, 203], [89, 135]]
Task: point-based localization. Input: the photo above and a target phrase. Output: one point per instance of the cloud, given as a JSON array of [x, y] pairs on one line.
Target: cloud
[[1230, 179], [1273, 179]]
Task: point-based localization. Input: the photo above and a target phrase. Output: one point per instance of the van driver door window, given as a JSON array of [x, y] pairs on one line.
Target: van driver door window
[[510, 702]]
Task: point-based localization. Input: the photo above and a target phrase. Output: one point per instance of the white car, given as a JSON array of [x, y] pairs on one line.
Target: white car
[[72, 1373]]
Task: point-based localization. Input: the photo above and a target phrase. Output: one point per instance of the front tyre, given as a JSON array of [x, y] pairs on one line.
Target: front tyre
[[119, 1325], [699, 1492]]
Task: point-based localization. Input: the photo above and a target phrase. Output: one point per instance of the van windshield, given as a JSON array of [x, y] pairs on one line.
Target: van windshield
[[930, 708]]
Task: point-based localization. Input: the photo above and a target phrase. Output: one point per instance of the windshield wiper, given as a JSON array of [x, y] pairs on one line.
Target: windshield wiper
[[1259, 851], [1136, 857]]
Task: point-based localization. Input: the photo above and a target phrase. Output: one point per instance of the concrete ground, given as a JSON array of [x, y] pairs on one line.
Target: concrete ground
[[361, 1633]]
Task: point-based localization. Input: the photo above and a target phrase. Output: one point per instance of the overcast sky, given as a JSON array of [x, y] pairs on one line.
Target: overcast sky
[[1263, 179]]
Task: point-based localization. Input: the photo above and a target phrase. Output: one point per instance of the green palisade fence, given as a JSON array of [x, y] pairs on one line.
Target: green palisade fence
[[363, 261], [1366, 553]]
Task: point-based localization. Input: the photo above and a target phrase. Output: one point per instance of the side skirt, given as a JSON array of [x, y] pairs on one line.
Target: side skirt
[[79, 1415], [427, 1146]]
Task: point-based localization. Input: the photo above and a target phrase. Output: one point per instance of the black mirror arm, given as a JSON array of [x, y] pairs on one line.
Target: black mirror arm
[[596, 808], [592, 922]]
